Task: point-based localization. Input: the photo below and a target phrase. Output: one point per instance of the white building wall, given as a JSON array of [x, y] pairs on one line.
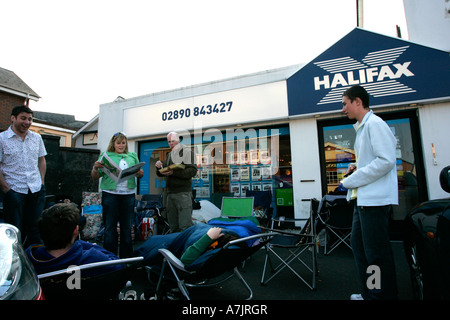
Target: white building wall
[[306, 178], [434, 121], [110, 121], [429, 22]]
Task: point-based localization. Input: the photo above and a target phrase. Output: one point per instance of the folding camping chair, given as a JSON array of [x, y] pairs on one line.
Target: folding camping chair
[[336, 216], [106, 286], [299, 244], [262, 203], [151, 206], [217, 267]]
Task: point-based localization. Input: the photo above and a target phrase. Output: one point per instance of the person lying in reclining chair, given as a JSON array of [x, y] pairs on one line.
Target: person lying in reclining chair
[[193, 242]]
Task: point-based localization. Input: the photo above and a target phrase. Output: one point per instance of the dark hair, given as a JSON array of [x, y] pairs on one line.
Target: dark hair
[[357, 92], [19, 109], [57, 224], [223, 240]]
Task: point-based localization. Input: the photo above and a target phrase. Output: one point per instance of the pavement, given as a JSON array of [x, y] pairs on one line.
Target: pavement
[[336, 281]]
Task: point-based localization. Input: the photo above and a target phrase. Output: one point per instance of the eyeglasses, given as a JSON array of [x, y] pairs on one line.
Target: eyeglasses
[[121, 133]]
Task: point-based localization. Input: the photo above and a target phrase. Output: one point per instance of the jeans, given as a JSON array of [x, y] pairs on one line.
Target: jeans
[[371, 247], [23, 211], [179, 211], [118, 208]]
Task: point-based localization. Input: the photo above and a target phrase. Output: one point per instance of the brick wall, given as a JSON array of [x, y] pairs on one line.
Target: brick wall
[[7, 103]]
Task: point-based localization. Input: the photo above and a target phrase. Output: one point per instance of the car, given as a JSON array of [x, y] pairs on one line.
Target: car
[[427, 245], [18, 279]]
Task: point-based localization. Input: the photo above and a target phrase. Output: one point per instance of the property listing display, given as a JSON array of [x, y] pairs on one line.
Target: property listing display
[[234, 179], [257, 165]]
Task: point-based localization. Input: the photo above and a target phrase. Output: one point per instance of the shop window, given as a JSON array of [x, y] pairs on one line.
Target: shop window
[[254, 159], [231, 168]]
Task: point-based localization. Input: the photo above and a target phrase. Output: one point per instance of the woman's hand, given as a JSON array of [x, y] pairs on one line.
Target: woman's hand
[[140, 174], [94, 173], [97, 165]]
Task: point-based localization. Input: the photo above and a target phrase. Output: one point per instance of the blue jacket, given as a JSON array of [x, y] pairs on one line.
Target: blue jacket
[[81, 253], [376, 174]]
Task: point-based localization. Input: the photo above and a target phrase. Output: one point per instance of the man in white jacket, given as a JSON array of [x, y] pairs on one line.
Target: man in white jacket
[[373, 188]]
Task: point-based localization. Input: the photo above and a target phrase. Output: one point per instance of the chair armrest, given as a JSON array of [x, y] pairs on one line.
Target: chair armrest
[[172, 259], [284, 219], [90, 266], [256, 236], [283, 232]]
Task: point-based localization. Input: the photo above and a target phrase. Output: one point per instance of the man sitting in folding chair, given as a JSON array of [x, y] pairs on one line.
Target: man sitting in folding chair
[[299, 244], [102, 274], [58, 227]]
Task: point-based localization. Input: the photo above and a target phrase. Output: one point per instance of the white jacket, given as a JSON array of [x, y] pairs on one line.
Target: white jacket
[[376, 174]]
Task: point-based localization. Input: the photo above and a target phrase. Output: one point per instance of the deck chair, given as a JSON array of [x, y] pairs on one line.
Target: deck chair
[[103, 287], [336, 216], [211, 269], [294, 249]]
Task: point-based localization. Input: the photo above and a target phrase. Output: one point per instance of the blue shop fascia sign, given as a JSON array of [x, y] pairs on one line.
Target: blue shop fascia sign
[[392, 70]]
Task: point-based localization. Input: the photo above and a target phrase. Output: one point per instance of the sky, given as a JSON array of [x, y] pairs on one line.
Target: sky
[[77, 55]]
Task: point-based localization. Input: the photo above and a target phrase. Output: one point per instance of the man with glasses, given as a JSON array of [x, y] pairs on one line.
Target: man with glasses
[[178, 183]]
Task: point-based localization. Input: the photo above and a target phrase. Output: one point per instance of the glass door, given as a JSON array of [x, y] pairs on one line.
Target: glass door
[[337, 138]]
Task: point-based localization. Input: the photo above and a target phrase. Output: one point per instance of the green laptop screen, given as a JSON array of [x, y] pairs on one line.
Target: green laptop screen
[[237, 207]]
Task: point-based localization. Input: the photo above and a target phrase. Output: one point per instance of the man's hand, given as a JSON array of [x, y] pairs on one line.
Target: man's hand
[[215, 233]]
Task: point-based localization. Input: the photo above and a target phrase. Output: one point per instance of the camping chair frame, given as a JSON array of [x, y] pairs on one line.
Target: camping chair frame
[[212, 272], [342, 230], [262, 199], [155, 203], [54, 284], [296, 243]]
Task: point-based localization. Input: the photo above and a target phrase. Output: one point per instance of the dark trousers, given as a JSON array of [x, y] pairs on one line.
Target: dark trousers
[[372, 248], [23, 211], [118, 209]]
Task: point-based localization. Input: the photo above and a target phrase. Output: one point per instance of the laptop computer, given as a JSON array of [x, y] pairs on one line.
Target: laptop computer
[[237, 207]]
